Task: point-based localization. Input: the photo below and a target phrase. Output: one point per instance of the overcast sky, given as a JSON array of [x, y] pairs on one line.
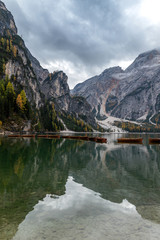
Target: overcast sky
[[84, 37]]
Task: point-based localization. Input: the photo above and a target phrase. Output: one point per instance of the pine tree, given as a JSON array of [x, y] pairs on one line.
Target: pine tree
[[10, 94], [53, 117], [4, 67], [10, 90]]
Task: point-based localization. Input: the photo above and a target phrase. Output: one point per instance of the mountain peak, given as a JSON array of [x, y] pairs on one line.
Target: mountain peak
[[146, 59], [6, 21], [112, 70], [2, 6]]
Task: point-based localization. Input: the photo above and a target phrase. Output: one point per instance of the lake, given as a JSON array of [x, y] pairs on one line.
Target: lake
[[73, 190]]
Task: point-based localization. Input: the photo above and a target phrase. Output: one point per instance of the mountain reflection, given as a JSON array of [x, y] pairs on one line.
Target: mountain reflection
[[30, 169]]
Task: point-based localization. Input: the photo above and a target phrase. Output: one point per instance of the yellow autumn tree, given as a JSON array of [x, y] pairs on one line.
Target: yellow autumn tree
[[85, 129], [19, 102], [14, 50], [8, 45], [123, 125], [2, 41]]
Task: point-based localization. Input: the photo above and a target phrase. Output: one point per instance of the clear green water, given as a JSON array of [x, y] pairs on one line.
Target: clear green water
[[67, 189]]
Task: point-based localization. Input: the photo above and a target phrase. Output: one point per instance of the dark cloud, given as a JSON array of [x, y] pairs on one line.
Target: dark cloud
[[82, 36]]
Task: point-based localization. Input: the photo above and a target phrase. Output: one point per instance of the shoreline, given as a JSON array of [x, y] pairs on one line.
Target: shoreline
[[6, 133]]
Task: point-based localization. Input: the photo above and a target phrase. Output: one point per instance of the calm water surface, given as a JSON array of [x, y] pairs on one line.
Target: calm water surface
[[74, 190]]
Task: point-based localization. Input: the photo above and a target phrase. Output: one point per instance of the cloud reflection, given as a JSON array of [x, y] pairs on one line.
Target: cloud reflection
[[82, 213]]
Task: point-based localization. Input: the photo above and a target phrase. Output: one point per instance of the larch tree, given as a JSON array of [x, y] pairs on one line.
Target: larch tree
[[19, 102], [14, 50]]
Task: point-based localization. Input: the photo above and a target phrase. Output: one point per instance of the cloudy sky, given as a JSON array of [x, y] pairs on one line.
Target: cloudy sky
[[84, 37]]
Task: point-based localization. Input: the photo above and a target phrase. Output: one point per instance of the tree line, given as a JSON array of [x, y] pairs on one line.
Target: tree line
[[12, 102]]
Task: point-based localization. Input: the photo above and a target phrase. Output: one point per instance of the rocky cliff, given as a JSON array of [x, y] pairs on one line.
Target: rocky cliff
[[41, 87], [18, 60], [6, 21], [133, 94]]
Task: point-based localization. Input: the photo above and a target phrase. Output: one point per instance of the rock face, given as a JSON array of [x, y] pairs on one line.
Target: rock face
[[55, 85], [40, 73], [133, 94], [26, 73], [26, 79], [96, 90], [6, 20], [27, 70], [55, 88]]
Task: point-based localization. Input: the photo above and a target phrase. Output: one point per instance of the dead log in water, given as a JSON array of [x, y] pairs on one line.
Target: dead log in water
[[74, 137], [20, 136], [93, 139], [28, 136], [66, 137], [42, 136], [84, 138], [14, 136], [54, 136], [101, 140], [130, 140], [154, 140]]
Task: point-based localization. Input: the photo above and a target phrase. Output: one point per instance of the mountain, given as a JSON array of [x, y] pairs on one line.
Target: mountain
[[30, 95], [6, 20], [133, 94]]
